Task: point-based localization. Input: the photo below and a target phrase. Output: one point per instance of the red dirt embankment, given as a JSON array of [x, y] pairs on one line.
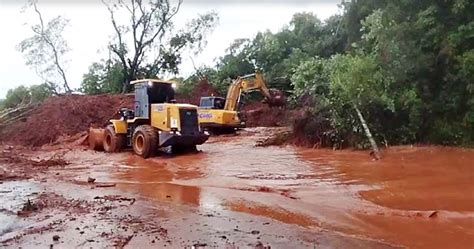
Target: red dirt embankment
[[260, 114], [64, 116]]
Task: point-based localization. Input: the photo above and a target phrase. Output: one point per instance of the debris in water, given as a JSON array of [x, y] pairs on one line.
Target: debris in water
[[105, 185], [28, 207], [198, 245]]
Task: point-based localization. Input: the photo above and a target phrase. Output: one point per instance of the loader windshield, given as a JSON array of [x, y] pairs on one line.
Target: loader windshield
[[160, 93]]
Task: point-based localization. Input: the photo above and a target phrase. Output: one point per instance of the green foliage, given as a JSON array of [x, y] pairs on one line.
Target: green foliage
[[409, 71], [92, 82], [24, 95], [408, 66], [358, 80], [103, 78], [17, 96], [212, 77], [311, 77], [279, 54], [41, 92], [310, 81]]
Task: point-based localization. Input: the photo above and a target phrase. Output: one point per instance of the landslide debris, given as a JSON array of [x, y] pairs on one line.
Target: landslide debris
[[60, 118], [63, 116]]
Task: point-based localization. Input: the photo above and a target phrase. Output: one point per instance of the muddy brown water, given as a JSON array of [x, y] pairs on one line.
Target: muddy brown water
[[416, 197], [344, 191]]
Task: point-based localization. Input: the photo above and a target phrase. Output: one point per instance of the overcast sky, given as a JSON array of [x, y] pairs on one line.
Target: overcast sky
[[90, 29]]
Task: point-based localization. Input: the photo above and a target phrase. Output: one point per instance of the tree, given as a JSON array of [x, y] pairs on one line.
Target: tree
[[92, 82], [40, 92], [311, 77], [358, 82], [16, 96], [150, 25], [279, 54], [403, 69], [103, 77], [23, 95], [45, 50]]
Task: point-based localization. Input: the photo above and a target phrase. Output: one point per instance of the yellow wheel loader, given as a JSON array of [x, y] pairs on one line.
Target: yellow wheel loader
[[156, 121], [222, 115]]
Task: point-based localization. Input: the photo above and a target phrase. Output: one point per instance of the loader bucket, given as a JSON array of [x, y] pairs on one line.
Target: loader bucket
[[96, 138]]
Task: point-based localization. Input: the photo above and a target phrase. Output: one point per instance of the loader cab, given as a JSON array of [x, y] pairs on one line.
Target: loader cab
[[151, 91], [212, 103]]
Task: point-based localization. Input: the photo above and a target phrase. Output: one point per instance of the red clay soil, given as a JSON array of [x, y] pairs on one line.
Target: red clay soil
[[202, 89], [64, 116], [260, 114], [69, 115]]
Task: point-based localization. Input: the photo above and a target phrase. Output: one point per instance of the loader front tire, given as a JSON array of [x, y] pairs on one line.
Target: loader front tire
[[113, 142], [145, 141]]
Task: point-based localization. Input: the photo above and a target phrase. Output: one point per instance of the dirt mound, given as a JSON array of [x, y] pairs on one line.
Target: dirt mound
[[64, 116], [260, 114], [201, 89]]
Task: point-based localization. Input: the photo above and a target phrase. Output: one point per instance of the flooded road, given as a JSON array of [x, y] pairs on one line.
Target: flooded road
[[345, 191], [236, 195]]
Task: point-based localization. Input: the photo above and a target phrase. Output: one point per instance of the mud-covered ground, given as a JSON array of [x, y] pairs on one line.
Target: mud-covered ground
[[235, 195]]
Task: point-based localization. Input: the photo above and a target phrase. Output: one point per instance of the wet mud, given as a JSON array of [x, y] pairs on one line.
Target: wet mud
[[235, 195]]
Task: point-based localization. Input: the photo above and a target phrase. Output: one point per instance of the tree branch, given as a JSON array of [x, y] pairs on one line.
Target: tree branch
[[118, 51], [53, 47]]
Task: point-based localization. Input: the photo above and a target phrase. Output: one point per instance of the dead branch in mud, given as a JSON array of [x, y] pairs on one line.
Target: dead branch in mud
[[105, 185]]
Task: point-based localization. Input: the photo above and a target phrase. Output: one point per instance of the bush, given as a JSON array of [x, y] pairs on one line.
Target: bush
[[24, 95]]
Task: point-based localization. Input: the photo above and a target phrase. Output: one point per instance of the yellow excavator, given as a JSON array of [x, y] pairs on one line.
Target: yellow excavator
[[156, 121], [222, 115]]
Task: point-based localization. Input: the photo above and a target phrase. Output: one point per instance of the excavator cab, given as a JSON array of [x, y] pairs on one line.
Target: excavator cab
[[157, 121], [212, 103]]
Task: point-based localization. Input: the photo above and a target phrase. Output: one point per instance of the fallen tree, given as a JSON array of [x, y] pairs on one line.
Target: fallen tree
[[11, 115]]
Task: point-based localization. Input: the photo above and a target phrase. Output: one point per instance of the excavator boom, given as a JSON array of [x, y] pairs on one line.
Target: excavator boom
[[249, 83], [222, 115]]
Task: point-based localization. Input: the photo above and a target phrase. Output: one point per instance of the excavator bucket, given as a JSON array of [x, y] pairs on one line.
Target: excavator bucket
[[96, 138], [277, 98]]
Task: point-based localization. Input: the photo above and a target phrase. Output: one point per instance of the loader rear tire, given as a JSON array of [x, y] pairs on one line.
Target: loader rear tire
[[145, 141], [113, 142]]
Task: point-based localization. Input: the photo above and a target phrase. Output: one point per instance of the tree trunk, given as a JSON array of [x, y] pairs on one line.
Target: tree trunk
[[375, 148], [124, 87], [127, 78]]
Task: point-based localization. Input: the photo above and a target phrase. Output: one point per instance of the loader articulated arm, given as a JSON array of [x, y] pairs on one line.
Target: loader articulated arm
[[249, 83]]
